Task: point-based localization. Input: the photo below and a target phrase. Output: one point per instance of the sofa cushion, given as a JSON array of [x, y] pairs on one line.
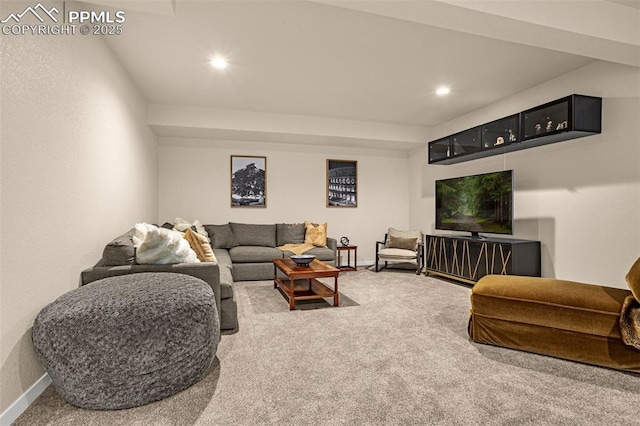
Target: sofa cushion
[[254, 254], [289, 233], [224, 260], [254, 235], [321, 253], [120, 251], [200, 244], [316, 234], [221, 236]]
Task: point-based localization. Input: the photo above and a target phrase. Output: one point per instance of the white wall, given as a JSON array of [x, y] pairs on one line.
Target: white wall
[[78, 166], [580, 198], [195, 184]]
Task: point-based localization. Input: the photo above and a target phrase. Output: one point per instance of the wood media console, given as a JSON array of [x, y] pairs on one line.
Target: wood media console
[[468, 259]]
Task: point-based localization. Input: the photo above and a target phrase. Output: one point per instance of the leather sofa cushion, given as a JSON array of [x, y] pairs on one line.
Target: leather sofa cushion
[[254, 235], [253, 254]]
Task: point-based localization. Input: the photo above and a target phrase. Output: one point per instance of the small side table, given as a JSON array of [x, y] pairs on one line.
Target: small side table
[[348, 266]]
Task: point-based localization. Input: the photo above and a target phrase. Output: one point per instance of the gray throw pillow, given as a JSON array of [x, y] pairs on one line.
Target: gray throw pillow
[[254, 235], [120, 251], [289, 233], [221, 236]]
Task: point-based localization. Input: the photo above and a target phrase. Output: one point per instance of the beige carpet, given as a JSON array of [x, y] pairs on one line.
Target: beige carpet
[[395, 352]]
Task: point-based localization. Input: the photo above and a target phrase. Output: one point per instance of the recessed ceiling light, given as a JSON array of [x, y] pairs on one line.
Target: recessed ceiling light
[[442, 90], [219, 62]]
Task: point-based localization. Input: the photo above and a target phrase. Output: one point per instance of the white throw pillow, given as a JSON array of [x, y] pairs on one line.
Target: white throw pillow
[[161, 246]]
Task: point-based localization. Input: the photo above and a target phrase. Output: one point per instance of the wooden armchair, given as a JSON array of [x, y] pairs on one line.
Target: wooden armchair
[[401, 247]]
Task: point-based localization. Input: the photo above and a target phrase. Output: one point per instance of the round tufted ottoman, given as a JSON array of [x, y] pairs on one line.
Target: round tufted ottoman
[[128, 340]]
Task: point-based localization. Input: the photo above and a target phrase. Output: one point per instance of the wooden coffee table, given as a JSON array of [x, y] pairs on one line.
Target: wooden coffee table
[[302, 283]]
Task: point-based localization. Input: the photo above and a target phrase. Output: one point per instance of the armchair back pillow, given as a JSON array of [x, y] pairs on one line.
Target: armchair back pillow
[[416, 235], [402, 243]]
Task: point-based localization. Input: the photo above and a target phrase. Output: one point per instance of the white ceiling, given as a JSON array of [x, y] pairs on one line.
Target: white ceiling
[[304, 71]]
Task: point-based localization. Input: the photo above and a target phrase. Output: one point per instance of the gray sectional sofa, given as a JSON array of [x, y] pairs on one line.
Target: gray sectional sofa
[[244, 252]]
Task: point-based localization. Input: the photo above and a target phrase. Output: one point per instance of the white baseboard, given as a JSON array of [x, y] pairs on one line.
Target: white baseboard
[[13, 412]]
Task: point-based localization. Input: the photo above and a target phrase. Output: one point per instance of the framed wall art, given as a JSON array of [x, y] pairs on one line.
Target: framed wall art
[[248, 181], [342, 183]]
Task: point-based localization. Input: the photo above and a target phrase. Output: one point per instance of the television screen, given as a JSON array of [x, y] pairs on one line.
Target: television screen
[[478, 203]]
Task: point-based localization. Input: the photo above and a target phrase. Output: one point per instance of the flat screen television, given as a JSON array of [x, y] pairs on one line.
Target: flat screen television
[[477, 203]]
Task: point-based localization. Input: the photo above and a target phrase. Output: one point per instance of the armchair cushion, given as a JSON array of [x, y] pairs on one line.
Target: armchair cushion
[[397, 254]]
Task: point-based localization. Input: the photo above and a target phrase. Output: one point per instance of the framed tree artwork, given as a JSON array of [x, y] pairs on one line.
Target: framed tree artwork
[[342, 183], [248, 181]]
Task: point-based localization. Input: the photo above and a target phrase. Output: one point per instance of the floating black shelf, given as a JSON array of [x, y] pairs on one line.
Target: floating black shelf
[[571, 117]]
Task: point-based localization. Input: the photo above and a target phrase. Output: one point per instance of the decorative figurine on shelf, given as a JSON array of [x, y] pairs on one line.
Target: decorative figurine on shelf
[[538, 128], [549, 125], [499, 140], [512, 137], [562, 125], [344, 241]]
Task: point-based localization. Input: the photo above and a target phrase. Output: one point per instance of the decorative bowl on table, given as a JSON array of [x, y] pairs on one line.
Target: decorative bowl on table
[[302, 259]]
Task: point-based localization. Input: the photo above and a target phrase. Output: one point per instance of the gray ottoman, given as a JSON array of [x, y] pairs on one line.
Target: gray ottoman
[[129, 340]]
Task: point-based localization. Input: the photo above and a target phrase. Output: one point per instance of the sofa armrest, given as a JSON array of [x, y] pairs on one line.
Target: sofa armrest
[[209, 272], [332, 244]]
